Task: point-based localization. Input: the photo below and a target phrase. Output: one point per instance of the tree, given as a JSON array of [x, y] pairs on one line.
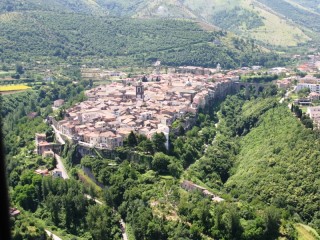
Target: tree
[[53, 205], [16, 76], [232, 223], [271, 90], [144, 79], [146, 146], [175, 168], [50, 134], [272, 223], [140, 216], [304, 92], [5, 68], [159, 140], [218, 225], [19, 69], [102, 223], [26, 197], [307, 122], [90, 83], [160, 163], [132, 140]]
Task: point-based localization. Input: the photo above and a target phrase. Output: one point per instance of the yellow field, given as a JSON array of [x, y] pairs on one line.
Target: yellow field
[[17, 87]]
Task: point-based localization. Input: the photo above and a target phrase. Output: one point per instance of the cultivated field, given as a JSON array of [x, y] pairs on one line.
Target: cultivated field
[[13, 88]]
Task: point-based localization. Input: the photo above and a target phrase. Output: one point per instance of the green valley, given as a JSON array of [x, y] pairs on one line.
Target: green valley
[[161, 119], [254, 158]]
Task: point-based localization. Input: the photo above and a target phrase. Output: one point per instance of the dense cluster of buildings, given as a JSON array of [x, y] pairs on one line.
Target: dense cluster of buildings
[[99, 74], [112, 111]]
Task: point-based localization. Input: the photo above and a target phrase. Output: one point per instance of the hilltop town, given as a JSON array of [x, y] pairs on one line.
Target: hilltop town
[[112, 112], [150, 104]]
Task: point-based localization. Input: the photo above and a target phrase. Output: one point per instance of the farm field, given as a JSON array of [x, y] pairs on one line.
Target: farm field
[[13, 88], [4, 74]]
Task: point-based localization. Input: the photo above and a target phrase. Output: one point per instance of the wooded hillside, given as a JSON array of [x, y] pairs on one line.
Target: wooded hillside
[[74, 38]]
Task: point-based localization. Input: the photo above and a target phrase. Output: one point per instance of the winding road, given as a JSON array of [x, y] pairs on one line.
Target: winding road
[[287, 94], [61, 167], [58, 136]]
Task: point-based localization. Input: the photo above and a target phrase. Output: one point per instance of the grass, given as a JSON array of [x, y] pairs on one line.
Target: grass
[[129, 232], [5, 74], [304, 108], [306, 233], [9, 88], [167, 177], [294, 96], [59, 232], [254, 106], [89, 183], [46, 225], [276, 31]]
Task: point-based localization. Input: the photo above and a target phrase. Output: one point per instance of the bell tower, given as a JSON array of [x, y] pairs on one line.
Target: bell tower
[[140, 90]]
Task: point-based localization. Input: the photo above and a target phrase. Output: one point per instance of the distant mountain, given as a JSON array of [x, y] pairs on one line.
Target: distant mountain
[[275, 22]]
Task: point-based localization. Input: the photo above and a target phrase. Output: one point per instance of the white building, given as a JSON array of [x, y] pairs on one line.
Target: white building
[[314, 112], [312, 87]]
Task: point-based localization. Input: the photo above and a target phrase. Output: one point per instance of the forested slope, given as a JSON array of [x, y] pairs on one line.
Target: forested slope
[[259, 158], [30, 36], [249, 18], [279, 164], [80, 6]]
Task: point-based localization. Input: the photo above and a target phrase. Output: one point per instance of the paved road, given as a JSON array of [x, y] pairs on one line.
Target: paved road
[[287, 94], [61, 167], [50, 234], [58, 136]]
